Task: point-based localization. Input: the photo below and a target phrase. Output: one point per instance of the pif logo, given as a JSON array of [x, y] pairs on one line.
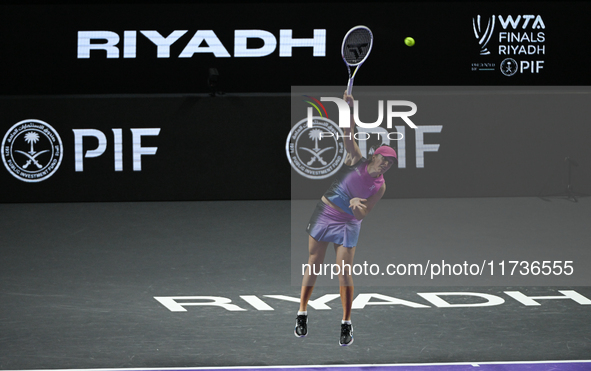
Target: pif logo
[[32, 150], [308, 153]]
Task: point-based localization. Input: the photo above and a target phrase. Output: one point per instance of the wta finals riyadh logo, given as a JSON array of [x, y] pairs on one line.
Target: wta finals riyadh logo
[[483, 37], [32, 150], [315, 152]]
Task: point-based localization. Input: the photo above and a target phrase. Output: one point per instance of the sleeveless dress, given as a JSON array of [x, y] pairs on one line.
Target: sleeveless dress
[[331, 225]]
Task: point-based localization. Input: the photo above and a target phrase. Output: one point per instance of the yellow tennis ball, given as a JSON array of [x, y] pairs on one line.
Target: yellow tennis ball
[[409, 41]]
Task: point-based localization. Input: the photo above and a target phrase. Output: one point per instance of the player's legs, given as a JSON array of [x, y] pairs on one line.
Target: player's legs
[[345, 257], [317, 251]]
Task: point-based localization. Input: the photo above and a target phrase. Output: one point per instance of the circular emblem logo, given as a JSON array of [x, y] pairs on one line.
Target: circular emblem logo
[[315, 152], [32, 150], [509, 67]]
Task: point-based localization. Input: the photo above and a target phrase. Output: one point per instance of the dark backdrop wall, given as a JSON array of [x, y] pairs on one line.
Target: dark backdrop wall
[[207, 148], [44, 53], [125, 87]]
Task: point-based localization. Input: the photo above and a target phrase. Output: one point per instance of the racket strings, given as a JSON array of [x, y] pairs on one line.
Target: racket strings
[[357, 46]]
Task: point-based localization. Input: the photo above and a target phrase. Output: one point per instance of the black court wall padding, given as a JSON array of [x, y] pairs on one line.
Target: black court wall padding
[[208, 148]]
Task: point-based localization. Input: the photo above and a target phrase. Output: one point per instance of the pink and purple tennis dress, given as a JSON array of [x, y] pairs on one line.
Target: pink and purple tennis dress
[[331, 225]]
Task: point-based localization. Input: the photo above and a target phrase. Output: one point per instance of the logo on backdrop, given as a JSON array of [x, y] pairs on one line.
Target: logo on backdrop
[[509, 67], [315, 152], [110, 44], [520, 44], [483, 36], [32, 150]]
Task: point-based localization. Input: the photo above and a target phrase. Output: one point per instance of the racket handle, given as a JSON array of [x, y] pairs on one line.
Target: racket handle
[[350, 86]]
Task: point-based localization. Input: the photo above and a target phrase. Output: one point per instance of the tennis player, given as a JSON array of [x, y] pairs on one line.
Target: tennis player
[[358, 186]]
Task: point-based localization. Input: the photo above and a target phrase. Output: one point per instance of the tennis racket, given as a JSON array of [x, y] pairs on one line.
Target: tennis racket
[[355, 50]]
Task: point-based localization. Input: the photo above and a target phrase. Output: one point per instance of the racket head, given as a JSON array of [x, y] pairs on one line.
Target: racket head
[[357, 45]]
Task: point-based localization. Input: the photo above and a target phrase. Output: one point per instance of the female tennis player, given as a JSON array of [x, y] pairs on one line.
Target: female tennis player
[[358, 186]]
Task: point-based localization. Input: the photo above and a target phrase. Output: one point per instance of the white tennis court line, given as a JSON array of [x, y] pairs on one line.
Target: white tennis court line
[[473, 364]]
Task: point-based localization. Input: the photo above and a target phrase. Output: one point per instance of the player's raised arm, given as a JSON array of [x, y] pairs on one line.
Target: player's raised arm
[[353, 151]]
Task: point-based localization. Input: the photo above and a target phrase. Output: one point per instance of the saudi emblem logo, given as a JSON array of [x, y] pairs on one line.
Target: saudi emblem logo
[[315, 152], [508, 66], [32, 150]]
